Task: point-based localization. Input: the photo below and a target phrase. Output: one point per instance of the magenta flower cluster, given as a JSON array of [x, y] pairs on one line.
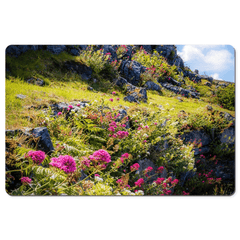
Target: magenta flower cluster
[[159, 181], [37, 156], [124, 156], [26, 180], [148, 169], [122, 134], [160, 169], [134, 167], [100, 156], [139, 182], [112, 126], [66, 163]]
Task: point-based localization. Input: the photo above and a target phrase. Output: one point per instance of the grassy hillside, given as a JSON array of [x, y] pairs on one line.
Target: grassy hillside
[[162, 120]]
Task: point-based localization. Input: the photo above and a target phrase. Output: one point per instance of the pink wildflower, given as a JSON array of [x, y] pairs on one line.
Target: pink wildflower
[[175, 182], [125, 155], [122, 134], [139, 182], [113, 93], [134, 167], [86, 161], [159, 181], [164, 185], [111, 129], [218, 179], [120, 181], [167, 192], [78, 104], [37, 156], [144, 141], [160, 169], [118, 99], [59, 113], [111, 99], [26, 180], [101, 155], [148, 169], [66, 163], [70, 106], [184, 193], [97, 175], [155, 123]]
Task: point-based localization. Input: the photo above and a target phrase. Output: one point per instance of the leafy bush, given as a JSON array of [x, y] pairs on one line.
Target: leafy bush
[[226, 96]]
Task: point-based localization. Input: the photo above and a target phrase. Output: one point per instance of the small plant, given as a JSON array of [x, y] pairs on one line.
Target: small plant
[[226, 96]]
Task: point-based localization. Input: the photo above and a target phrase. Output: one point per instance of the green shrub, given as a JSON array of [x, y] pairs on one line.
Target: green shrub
[[226, 97]]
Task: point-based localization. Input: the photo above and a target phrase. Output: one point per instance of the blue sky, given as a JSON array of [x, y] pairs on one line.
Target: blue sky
[[214, 60]]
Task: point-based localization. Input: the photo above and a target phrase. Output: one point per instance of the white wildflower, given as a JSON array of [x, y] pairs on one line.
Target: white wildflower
[[139, 192], [98, 179]]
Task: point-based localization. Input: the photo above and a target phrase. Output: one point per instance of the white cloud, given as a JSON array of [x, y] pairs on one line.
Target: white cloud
[[204, 58], [190, 52], [216, 76], [218, 60]]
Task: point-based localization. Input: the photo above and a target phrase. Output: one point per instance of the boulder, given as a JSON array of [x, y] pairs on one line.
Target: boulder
[[44, 143], [228, 117], [184, 176], [147, 48], [167, 51], [123, 113], [173, 81], [16, 50], [150, 85], [56, 49], [135, 94], [197, 136], [21, 96], [110, 49], [179, 90], [120, 81], [35, 81], [144, 163], [81, 69], [228, 137], [208, 84], [201, 150], [75, 51], [131, 70], [62, 107]]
